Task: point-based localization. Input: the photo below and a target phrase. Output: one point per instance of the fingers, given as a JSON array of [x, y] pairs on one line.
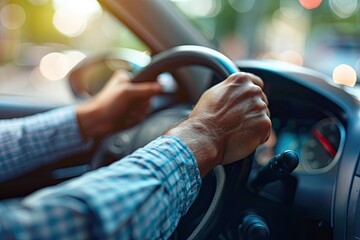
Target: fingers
[[143, 90], [121, 76], [264, 98], [246, 77], [242, 77], [255, 79], [134, 90], [265, 127], [266, 122]]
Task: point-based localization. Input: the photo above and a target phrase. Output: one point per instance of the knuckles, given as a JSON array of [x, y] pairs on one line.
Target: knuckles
[[239, 77], [260, 106], [264, 127], [242, 77], [254, 90]]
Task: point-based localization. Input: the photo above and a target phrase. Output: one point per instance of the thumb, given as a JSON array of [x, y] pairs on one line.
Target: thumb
[[119, 76]]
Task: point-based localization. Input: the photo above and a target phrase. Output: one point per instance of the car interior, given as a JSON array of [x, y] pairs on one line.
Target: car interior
[[303, 183]]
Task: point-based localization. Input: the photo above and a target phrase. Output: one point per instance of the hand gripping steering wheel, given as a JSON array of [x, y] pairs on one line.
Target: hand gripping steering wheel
[[224, 184]]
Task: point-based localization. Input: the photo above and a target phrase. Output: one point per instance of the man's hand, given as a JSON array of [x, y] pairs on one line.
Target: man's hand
[[120, 105], [230, 120]]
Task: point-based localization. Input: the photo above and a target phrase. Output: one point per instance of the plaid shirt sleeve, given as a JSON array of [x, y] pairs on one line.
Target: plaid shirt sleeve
[[141, 196], [26, 143]]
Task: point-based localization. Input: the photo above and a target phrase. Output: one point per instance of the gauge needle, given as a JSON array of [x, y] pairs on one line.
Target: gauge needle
[[324, 142]]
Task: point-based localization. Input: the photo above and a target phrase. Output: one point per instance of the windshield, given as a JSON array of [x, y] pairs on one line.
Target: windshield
[[39, 34], [41, 40], [322, 35]]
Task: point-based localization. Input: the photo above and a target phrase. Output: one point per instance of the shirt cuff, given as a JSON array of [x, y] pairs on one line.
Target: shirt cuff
[[183, 157]]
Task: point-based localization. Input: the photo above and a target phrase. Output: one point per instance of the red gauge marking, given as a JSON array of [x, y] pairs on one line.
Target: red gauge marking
[[324, 142]]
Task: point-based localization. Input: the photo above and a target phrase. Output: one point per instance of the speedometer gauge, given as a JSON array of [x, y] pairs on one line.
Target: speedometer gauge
[[321, 147]]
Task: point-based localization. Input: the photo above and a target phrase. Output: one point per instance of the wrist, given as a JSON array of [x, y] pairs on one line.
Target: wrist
[[90, 123], [207, 148]]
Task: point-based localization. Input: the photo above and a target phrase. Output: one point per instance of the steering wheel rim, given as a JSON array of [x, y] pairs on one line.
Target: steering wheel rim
[[231, 179], [185, 56]]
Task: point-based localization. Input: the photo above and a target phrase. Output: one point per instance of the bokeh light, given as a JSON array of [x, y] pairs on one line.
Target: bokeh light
[[291, 57], [344, 75], [291, 8], [344, 8], [54, 66], [310, 4], [268, 55], [284, 36], [86, 7], [68, 23], [242, 6], [12, 16], [199, 8], [72, 17]]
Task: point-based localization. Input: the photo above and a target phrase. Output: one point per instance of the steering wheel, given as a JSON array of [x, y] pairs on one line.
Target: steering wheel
[[224, 184]]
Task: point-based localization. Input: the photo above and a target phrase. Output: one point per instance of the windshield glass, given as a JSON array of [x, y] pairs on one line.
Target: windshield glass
[[322, 35], [41, 40]]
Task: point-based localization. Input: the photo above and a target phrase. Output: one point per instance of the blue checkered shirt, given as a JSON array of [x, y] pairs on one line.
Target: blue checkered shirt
[[26, 143], [141, 196]]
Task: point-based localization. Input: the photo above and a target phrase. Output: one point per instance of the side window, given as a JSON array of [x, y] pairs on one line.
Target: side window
[[41, 40]]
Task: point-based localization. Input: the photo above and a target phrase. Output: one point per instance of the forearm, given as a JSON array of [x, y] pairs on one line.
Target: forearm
[[140, 197], [26, 143]]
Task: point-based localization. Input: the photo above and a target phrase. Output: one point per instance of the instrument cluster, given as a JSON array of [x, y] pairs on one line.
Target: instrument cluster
[[317, 137]]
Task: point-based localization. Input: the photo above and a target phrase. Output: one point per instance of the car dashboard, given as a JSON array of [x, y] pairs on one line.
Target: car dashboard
[[320, 122], [313, 133]]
